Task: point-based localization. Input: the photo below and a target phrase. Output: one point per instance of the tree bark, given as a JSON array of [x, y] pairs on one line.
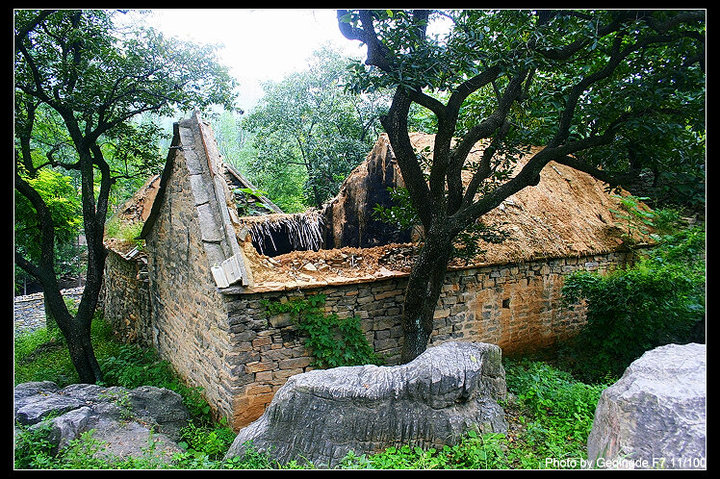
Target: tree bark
[[423, 291], [76, 331]]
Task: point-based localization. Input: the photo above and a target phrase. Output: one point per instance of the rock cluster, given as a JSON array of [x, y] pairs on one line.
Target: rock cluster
[[321, 415], [125, 419], [654, 417]]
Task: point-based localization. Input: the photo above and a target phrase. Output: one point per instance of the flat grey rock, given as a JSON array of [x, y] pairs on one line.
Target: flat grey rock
[[129, 421]]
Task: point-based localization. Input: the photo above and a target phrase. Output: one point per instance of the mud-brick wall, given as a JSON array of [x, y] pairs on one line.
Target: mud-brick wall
[[516, 306], [126, 298], [189, 325]]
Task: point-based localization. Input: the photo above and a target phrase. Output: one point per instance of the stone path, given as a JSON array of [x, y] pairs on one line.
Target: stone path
[[30, 309]]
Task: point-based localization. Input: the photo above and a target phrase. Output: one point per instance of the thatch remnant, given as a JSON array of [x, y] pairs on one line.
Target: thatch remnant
[[349, 216], [566, 214], [282, 233]]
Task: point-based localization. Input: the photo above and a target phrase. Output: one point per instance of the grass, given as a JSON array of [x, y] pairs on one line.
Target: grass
[[549, 415]]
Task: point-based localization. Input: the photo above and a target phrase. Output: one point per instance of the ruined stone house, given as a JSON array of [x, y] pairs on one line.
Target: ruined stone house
[[215, 249]]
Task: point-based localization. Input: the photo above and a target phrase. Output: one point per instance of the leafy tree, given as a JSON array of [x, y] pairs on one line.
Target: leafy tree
[[60, 195], [88, 80], [584, 85], [308, 129]]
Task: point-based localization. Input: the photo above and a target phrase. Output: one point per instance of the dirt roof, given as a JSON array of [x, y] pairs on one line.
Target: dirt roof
[[566, 215]]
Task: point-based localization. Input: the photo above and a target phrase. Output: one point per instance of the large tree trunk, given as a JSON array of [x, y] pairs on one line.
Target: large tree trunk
[[76, 331], [82, 353], [422, 293]]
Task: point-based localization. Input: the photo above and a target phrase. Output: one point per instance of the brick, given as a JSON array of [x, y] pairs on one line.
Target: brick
[[294, 363]]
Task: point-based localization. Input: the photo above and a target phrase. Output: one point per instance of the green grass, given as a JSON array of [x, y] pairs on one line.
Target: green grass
[[549, 412]]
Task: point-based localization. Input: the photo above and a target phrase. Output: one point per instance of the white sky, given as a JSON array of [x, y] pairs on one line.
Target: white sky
[[258, 44]]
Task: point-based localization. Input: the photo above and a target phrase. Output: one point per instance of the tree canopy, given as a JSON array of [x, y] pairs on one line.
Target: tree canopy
[[309, 132], [612, 93], [81, 82]]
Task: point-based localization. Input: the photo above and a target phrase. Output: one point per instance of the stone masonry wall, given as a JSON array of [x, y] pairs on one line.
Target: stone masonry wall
[[516, 306], [189, 325], [127, 300], [29, 310]]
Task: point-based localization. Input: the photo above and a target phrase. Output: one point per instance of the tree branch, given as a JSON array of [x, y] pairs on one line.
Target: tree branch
[[395, 124]]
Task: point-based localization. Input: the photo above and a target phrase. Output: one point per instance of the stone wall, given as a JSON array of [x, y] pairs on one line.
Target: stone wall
[[127, 298], [228, 345], [189, 326], [516, 306], [29, 309]]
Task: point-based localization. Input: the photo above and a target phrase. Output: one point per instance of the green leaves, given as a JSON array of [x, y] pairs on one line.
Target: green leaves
[[310, 129], [62, 199], [333, 341], [659, 300]]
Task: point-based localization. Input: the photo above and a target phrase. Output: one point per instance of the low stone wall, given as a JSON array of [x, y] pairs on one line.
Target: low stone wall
[[29, 310], [127, 298], [516, 306]]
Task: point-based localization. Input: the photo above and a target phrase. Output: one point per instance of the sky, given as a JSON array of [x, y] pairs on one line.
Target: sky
[[258, 44]]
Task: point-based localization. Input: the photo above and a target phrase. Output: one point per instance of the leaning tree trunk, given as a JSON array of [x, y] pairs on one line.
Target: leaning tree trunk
[[76, 331], [422, 293]]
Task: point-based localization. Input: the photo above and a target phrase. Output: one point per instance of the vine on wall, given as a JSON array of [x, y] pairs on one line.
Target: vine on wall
[[333, 341]]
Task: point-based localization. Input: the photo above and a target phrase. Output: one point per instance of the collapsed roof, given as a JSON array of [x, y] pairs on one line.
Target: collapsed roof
[[566, 214]]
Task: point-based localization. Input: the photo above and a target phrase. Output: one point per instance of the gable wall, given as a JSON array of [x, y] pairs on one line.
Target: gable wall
[[188, 322]]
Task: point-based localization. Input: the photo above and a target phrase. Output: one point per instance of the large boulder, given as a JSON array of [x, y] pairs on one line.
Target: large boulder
[[321, 415], [126, 420], [654, 416]]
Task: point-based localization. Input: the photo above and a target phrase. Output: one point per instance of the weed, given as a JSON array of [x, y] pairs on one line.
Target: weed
[[333, 341]]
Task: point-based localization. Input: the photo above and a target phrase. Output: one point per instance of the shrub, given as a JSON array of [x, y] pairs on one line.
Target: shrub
[[657, 301]]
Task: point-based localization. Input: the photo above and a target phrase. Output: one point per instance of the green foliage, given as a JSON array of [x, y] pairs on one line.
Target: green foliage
[[633, 217], [653, 100], [42, 355], [474, 451], [61, 197], [131, 366], [553, 410], [560, 409], [659, 300], [333, 341], [308, 132], [209, 441], [33, 449], [403, 216], [127, 232]]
